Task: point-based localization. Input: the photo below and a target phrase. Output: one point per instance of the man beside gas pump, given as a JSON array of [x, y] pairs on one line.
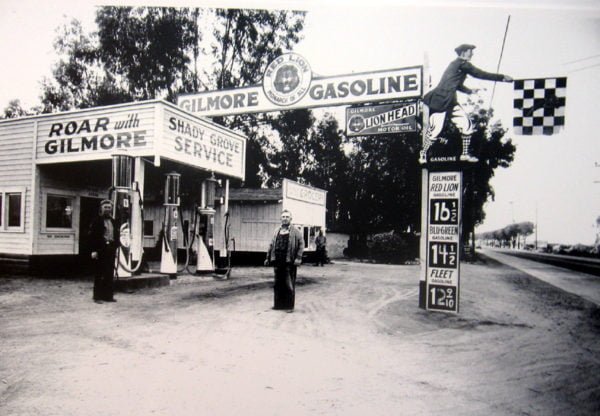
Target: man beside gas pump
[[285, 255], [104, 235]]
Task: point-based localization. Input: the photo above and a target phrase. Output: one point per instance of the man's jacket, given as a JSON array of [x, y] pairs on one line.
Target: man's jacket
[[96, 233], [295, 247], [443, 97]]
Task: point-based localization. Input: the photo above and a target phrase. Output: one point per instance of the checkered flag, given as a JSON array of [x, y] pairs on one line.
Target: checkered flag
[[539, 105]]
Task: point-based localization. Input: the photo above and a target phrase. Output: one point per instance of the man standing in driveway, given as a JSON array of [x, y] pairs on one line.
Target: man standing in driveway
[[104, 236], [285, 255], [442, 101]]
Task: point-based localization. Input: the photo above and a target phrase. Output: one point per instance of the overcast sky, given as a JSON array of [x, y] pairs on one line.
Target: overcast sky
[[553, 176]]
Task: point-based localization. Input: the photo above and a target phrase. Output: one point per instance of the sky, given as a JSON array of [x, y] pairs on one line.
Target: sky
[[554, 181]]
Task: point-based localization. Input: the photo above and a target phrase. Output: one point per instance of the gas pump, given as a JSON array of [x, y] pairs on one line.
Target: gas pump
[[122, 193], [205, 240], [168, 262]]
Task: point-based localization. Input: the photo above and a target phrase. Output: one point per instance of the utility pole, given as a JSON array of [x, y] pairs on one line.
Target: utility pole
[[536, 226]]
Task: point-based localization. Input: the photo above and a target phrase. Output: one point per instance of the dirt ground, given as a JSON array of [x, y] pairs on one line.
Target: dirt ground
[[357, 344]]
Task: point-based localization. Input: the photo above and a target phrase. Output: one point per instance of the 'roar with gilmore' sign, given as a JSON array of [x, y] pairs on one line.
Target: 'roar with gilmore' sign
[[288, 83]]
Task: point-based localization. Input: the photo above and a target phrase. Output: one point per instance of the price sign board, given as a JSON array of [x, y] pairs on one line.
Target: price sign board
[[442, 263]]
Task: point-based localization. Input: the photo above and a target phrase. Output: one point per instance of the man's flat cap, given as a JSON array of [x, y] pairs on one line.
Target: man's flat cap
[[106, 202], [464, 47]]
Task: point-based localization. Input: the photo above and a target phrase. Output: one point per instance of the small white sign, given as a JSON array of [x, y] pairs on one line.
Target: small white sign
[[304, 193]]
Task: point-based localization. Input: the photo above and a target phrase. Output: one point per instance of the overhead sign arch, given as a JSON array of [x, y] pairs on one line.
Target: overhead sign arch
[[288, 83]]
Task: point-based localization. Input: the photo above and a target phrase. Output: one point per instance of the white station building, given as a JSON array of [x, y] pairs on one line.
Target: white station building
[[55, 168]]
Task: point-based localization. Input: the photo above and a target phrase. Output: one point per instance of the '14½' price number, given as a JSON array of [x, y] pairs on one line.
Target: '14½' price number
[[443, 254], [442, 298], [443, 211]]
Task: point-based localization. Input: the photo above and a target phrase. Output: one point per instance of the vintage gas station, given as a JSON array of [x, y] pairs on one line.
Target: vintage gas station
[[161, 166], [153, 160]]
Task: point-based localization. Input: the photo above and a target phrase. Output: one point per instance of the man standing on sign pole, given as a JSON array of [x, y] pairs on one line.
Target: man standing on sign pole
[[442, 101]]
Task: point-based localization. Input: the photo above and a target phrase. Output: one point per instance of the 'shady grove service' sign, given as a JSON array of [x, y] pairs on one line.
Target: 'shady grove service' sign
[[288, 83]]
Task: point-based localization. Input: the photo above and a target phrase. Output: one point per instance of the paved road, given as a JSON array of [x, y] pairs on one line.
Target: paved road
[[357, 344], [584, 285]]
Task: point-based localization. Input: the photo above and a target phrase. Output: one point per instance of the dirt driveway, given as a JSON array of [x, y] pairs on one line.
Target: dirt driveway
[[357, 344]]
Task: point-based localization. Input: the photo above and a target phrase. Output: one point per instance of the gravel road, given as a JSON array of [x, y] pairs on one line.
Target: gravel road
[[357, 344]]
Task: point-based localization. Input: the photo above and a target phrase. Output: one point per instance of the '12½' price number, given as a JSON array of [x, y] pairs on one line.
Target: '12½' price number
[[444, 211], [442, 297]]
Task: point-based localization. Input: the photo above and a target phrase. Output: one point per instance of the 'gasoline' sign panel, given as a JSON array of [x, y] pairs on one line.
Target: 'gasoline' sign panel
[[288, 83]]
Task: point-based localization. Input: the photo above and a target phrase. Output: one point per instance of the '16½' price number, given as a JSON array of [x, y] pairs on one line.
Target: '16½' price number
[[444, 211]]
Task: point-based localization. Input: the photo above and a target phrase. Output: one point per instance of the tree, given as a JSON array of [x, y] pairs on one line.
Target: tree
[[510, 235], [293, 128], [494, 151], [246, 42], [328, 167], [77, 77], [147, 49], [386, 182], [14, 110], [147, 52]]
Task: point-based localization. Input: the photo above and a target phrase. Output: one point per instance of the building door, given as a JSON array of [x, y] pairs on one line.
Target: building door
[[89, 209]]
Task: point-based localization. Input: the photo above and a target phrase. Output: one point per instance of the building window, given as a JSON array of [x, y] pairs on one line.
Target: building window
[[59, 212], [12, 204], [14, 209], [148, 228]]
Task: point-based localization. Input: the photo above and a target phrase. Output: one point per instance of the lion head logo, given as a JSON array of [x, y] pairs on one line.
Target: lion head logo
[[286, 79]]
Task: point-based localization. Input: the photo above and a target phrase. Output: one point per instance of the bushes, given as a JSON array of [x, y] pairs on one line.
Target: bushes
[[393, 247]]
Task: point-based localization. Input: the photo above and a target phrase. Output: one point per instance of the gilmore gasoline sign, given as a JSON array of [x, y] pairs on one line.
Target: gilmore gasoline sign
[[288, 83], [442, 264]]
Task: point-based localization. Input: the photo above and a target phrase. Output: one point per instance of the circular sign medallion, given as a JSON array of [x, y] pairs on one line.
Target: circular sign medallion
[[287, 79], [356, 123]]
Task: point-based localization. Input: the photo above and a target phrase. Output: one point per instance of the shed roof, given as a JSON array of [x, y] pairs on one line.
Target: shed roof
[[255, 194]]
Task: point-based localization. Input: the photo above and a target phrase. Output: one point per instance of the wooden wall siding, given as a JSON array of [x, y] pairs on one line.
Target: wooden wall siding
[[252, 225], [16, 154], [156, 214]]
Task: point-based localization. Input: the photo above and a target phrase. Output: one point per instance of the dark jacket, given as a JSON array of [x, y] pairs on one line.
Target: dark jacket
[[295, 247], [96, 233], [443, 97]]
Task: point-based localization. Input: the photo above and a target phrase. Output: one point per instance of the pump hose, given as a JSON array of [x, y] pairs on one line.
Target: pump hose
[[139, 264], [191, 243], [226, 236], [186, 242]]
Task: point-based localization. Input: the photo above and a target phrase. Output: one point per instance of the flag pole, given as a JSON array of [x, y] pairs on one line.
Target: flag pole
[[500, 59]]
